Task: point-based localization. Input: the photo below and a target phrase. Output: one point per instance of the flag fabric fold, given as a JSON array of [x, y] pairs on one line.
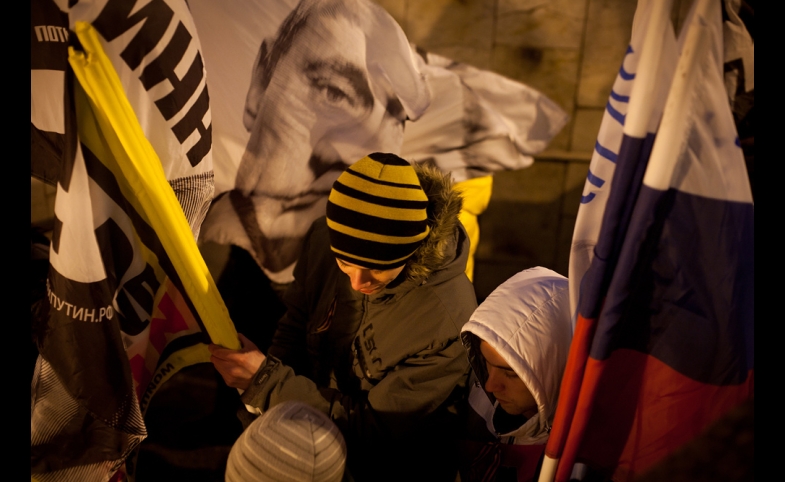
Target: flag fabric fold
[[655, 72], [621, 151], [274, 171], [138, 164], [665, 319], [131, 299]]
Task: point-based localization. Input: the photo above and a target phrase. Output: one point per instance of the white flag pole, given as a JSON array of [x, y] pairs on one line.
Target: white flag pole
[[666, 149]]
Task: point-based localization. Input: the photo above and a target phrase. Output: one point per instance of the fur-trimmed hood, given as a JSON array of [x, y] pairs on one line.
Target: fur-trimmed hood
[[443, 247]]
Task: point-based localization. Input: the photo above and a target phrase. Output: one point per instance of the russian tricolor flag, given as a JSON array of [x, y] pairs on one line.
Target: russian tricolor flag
[[665, 318]]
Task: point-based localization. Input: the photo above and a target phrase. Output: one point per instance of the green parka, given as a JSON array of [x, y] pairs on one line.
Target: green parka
[[389, 369]]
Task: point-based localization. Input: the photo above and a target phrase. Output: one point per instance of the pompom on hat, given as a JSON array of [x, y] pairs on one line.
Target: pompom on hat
[[291, 442], [377, 212]]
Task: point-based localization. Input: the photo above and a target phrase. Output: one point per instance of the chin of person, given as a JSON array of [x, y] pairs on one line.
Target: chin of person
[[284, 230]]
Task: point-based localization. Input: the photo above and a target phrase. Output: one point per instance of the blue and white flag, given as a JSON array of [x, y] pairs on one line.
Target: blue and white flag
[[665, 320], [636, 117]]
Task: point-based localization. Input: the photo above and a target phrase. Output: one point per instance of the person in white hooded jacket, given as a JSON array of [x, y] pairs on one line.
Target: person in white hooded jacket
[[517, 341]]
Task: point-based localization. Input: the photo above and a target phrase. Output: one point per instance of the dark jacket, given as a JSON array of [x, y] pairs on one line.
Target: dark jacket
[[389, 368]]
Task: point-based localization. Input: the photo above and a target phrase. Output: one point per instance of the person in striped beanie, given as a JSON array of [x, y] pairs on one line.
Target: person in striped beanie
[[377, 217], [292, 442], [371, 336]]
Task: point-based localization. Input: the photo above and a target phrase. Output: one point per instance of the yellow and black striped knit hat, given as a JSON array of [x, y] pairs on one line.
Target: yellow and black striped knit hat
[[377, 212]]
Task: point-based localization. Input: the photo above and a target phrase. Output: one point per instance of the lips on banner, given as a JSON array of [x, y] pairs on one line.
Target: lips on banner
[[663, 342], [131, 299]]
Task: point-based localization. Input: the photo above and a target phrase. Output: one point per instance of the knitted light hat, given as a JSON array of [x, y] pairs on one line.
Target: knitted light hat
[[377, 212], [290, 442]]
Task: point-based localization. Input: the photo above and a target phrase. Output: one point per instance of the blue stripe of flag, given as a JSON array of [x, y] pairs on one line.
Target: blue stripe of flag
[[627, 176], [595, 180], [623, 73], [615, 113], [619, 97], [605, 152], [683, 298]]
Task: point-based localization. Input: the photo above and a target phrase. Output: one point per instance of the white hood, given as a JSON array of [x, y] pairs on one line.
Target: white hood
[[527, 321]]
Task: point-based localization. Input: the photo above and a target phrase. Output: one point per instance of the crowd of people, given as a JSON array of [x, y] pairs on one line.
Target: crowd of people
[[383, 367]]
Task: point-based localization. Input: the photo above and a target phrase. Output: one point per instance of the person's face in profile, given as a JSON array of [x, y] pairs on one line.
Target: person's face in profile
[[368, 281], [513, 395]]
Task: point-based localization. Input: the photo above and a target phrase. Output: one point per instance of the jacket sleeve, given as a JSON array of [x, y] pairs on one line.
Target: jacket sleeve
[[397, 420], [392, 408]]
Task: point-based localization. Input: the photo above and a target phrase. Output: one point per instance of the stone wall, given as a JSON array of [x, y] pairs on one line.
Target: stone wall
[[569, 50]]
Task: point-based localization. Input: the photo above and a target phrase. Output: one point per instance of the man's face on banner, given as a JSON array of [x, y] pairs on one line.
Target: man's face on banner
[[310, 111]]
